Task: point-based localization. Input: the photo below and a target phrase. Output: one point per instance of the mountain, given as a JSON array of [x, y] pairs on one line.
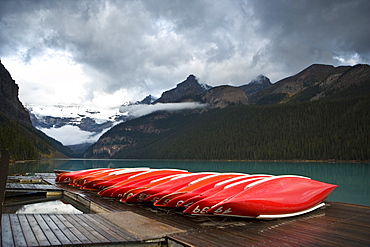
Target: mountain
[[10, 105], [256, 85], [150, 99], [320, 113], [85, 122], [223, 96], [316, 82], [16, 131], [188, 90], [191, 90]]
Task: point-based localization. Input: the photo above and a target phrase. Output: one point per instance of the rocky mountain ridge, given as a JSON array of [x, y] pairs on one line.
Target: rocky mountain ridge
[[223, 96], [315, 82], [190, 90], [10, 104]]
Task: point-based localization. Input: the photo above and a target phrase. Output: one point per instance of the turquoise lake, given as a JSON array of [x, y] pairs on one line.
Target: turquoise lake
[[352, 178]]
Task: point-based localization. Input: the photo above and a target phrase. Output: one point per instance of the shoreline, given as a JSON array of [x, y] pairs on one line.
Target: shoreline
[[302, 161]]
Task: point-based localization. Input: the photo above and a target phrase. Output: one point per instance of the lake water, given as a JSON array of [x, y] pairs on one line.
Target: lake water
[[352, 178]]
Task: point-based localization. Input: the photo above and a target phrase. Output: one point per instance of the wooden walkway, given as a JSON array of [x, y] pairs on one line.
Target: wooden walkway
[[61, 230], [338, 224]]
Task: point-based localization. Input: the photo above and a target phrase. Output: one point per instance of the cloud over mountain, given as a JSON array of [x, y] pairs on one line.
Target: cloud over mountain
[[128, 49], [141, 110]]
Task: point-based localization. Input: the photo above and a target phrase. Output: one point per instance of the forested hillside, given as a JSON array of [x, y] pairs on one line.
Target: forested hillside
[[25, 142], [337, 129]]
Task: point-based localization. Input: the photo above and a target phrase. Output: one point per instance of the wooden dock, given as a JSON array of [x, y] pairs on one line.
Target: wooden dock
[[61, 230], [119, 224]]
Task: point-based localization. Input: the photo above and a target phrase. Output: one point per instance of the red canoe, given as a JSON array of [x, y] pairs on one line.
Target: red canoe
[[157, 192], [139, 179], [112, 178], [275, 197], [194, 188], [217, 188], [129, 195], [113, 182], [67, 177], [80, 181], [203, 205]]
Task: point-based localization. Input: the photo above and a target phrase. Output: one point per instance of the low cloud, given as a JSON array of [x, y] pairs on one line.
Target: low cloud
[[72, 135], [141, 110]]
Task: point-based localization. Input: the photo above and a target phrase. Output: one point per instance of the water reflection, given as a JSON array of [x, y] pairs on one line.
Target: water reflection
[[51, 207], [351, 178]]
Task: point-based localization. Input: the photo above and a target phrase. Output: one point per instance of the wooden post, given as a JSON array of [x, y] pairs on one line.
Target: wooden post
[[4, 166]]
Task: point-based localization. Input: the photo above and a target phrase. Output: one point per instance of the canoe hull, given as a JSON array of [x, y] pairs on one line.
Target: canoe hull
[[277, 196]]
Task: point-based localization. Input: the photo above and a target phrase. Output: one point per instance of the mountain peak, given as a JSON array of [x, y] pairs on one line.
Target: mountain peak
[[255, 85], [261, 80], [191, 77], [147, 100], [185, 91]]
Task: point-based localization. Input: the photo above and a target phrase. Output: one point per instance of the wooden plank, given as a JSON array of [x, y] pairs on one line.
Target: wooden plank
[[57, 232], [6, 233], [53, 240], [27, 231], [19, 239], [110, 231], [111, 236], [93, 232], [82, 229], [69, 234], [68, 222], [37, 231], [114, 228]]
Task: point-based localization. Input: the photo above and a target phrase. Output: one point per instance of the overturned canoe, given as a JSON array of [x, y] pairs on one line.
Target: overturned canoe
[[155, 193], [119, 189], [192, 189], [67, 177], [275, 197], [205, 204], [112, 179]]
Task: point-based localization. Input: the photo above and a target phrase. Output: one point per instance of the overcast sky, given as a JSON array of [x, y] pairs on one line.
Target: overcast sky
[[110, 52]]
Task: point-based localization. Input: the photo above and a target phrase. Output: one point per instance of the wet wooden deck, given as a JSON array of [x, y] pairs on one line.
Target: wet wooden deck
[[338, 224], [61, 230]]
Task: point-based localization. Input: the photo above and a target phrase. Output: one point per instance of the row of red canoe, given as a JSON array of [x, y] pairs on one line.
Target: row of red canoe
[[206, 193]]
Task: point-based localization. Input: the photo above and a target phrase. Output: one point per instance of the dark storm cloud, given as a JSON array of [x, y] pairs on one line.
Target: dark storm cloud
[[149, 46], [305, 32]]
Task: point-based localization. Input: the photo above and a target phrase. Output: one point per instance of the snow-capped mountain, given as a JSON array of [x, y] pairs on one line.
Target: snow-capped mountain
[[74, 124]]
